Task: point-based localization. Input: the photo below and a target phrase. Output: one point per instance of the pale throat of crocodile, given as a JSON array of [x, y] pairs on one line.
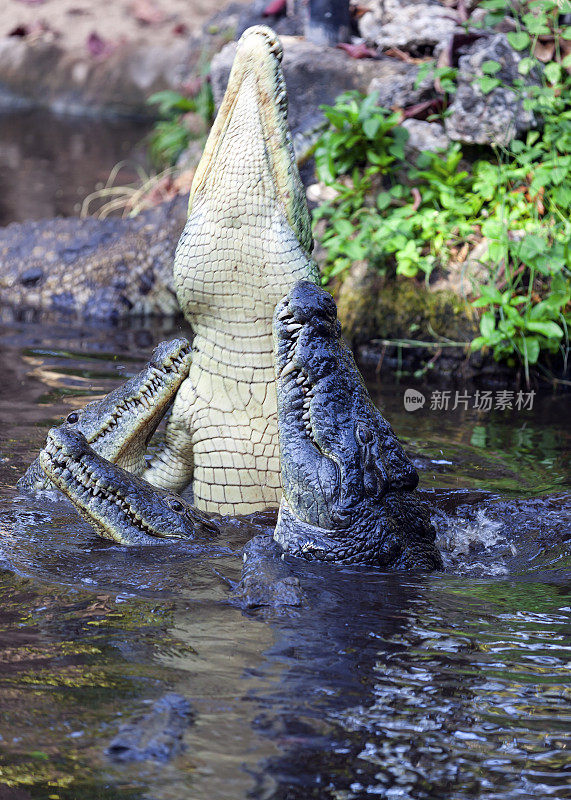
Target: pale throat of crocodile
[[249, 149], [248, 236]]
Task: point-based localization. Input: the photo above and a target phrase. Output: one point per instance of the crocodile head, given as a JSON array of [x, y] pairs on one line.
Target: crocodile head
[[248, 219], [119, 425], [348, 486], [120, 506]]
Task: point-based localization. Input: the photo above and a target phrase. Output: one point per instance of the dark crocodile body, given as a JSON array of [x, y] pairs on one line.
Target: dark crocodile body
[[93, 268]]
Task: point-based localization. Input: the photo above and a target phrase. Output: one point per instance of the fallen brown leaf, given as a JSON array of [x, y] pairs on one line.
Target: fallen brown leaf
[[395, 52], [357, 50], [147, 13], [423, 110], [274, 8], [98, 46], [544, 51]]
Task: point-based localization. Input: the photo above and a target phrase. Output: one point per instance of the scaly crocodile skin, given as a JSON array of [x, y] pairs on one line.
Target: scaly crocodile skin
[[247, 241]]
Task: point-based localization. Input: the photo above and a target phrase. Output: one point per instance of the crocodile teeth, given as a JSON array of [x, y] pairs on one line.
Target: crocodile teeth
[[285, 312], [293, 327], [289, 368]]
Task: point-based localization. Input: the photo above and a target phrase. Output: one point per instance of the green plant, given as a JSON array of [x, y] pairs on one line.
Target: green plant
[[410, 218], [170, 135], [400, 217]]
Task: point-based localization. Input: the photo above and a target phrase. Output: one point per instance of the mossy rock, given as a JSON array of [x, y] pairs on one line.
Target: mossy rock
[[373, 307]]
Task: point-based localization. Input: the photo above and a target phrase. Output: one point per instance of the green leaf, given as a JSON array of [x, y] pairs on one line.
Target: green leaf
[[553, 72], [491, 67], [536, 24], [343, 227], [384, 200], [567, 61], [371, 126], [170, 101], [530, 247], [530, 347], [559, 173], [495, 5], [526, 65], [566, 34], [488, 84], [551, 330], [488, 324], [518, 40], [478, 343]]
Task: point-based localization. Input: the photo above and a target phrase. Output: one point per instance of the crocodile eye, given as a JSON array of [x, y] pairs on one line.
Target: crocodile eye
[[363, 434], [73, 417], [176, 505]]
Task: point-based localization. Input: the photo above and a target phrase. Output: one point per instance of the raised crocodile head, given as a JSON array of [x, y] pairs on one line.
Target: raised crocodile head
[[248, 217], [120, 506], [119, 425], [347, 482]]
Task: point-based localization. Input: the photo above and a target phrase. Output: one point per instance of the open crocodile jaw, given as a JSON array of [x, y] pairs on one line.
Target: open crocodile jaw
[[348, 484], [124, 421], [118, 505], [311, 476], [119, 425]]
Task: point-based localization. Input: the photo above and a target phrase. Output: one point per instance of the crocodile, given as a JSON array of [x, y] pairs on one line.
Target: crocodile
[[120, 506], [119, 425], [349, 488], [92, 268], [246, 242]]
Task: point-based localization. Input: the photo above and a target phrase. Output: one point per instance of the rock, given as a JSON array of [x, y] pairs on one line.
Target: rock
[[395, 83], [424, 136], [42, 74], [316, 75], [288, 24], [406, 24], [155, 736], [374, 312], [370, 307], [496, 117]]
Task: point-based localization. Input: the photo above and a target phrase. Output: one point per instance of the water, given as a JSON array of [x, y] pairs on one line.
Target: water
[[50, 163], [453, 685]]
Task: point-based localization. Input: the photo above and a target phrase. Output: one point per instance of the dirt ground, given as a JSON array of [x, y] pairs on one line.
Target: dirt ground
[[95, 25]]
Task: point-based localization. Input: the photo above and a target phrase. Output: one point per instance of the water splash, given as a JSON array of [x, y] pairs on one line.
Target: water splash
[[475, 545]]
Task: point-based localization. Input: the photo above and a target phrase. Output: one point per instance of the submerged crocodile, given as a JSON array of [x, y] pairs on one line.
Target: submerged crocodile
[[245, 244], [348, 485], [95, 268], [120, 425]]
